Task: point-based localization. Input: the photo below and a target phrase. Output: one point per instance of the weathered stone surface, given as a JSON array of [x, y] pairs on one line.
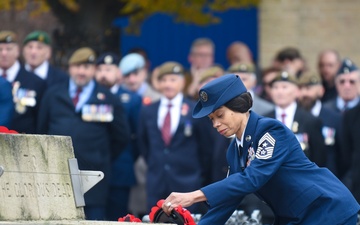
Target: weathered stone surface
[[36, 183]]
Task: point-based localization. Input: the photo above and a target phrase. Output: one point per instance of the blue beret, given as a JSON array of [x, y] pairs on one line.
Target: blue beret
[[216, 93], [347, 66], [131, 62], [108, 58]]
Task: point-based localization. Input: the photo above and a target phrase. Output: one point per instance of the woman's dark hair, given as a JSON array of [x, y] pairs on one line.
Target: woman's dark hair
[[241, 103]]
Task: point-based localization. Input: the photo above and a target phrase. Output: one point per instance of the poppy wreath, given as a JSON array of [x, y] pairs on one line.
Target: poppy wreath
[[129, 218], [179, 215], [5, 130]]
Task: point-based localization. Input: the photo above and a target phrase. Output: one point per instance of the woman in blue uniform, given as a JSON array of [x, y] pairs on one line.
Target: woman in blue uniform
[[265, 158]]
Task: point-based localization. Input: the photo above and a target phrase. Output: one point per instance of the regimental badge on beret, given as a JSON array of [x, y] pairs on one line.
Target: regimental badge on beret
[[8, 38], [91, 58], [243, 67], [284, 75], [176, 69], [203, 96], [41, 38], [108, 59]]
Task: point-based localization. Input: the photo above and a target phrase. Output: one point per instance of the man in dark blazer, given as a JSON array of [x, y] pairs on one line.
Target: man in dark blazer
[[351, 148], [94, 119], [37, 53], [347, 83], [123, 174], [311, 92], [174, 145], [306, 127], [27, 87]]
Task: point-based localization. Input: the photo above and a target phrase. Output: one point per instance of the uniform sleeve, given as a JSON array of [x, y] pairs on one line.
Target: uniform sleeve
[[273, 146], [119, 130], [6, 104]]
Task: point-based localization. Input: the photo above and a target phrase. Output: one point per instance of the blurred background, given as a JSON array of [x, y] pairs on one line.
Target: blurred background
[[165, 29]]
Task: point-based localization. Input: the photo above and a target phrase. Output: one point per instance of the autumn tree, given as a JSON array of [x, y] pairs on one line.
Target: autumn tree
[[89, 22]]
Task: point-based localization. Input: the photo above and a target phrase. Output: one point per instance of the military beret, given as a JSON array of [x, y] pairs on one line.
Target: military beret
[[131, 63], [38, 35], [83, 55], [108, 58], [241, 68], [214, 71], [309, 78], [347, 66], [170, 68], [285, 76], [7, 36], [216, 93]]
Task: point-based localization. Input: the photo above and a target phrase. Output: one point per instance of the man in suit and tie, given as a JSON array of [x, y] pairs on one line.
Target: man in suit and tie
[[347, 83], [37, 53], [95, 120], [246, 72], [311, 92], [306, 127], [172, 142], [27, 88], [123, 175]]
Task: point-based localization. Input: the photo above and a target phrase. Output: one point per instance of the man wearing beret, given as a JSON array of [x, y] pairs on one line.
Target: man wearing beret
[[306, 127], [133, 69], [174, 145], [27, 88], [311, 92], [95, 120], [247, 74], [123, 175], [37, 53], [347, 83]]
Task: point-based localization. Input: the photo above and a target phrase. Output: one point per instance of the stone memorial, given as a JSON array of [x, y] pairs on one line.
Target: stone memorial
[[40, 182]]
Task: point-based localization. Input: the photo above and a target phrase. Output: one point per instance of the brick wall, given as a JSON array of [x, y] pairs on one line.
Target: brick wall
[[311, 26]]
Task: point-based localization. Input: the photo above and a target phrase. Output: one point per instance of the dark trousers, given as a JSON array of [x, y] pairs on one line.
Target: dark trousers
[[94, 212], [117, 204]]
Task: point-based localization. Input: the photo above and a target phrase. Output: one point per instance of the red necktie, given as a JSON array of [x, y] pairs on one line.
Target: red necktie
[[166, 128], [76, 97], [283, 115]]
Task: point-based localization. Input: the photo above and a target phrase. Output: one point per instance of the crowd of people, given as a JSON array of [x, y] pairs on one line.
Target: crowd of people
[[135, 124]]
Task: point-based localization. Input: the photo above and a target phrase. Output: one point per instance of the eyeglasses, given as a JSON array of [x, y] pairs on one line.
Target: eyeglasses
[[343, 81]]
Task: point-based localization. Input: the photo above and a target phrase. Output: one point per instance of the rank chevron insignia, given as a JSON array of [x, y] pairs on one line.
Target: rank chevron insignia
[[265, 147]]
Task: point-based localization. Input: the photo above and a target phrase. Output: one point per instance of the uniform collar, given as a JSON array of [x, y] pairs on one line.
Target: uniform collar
[[41, 71]]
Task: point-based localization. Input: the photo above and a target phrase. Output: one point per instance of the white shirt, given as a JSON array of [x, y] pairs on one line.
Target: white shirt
[[289, 111], [11, 72], [84, 95], [340, 103], [316, 108], [175, 111], [41, 71]]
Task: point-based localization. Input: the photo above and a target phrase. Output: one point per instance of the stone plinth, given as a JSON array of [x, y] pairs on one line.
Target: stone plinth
[[36, 183]]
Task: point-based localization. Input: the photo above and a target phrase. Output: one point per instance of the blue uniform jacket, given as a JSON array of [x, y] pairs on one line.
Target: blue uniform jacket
[[6, 102], [297, 190], [122, 171], [95, 143], [183, 165], [55, 76], [26, 122]]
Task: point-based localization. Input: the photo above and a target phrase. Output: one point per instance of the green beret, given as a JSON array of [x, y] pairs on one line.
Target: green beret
[[83, 55], [170, 68], [308, 78], [7, 36], [40, 36], [285, 76], [214, 71], [242, 68]]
